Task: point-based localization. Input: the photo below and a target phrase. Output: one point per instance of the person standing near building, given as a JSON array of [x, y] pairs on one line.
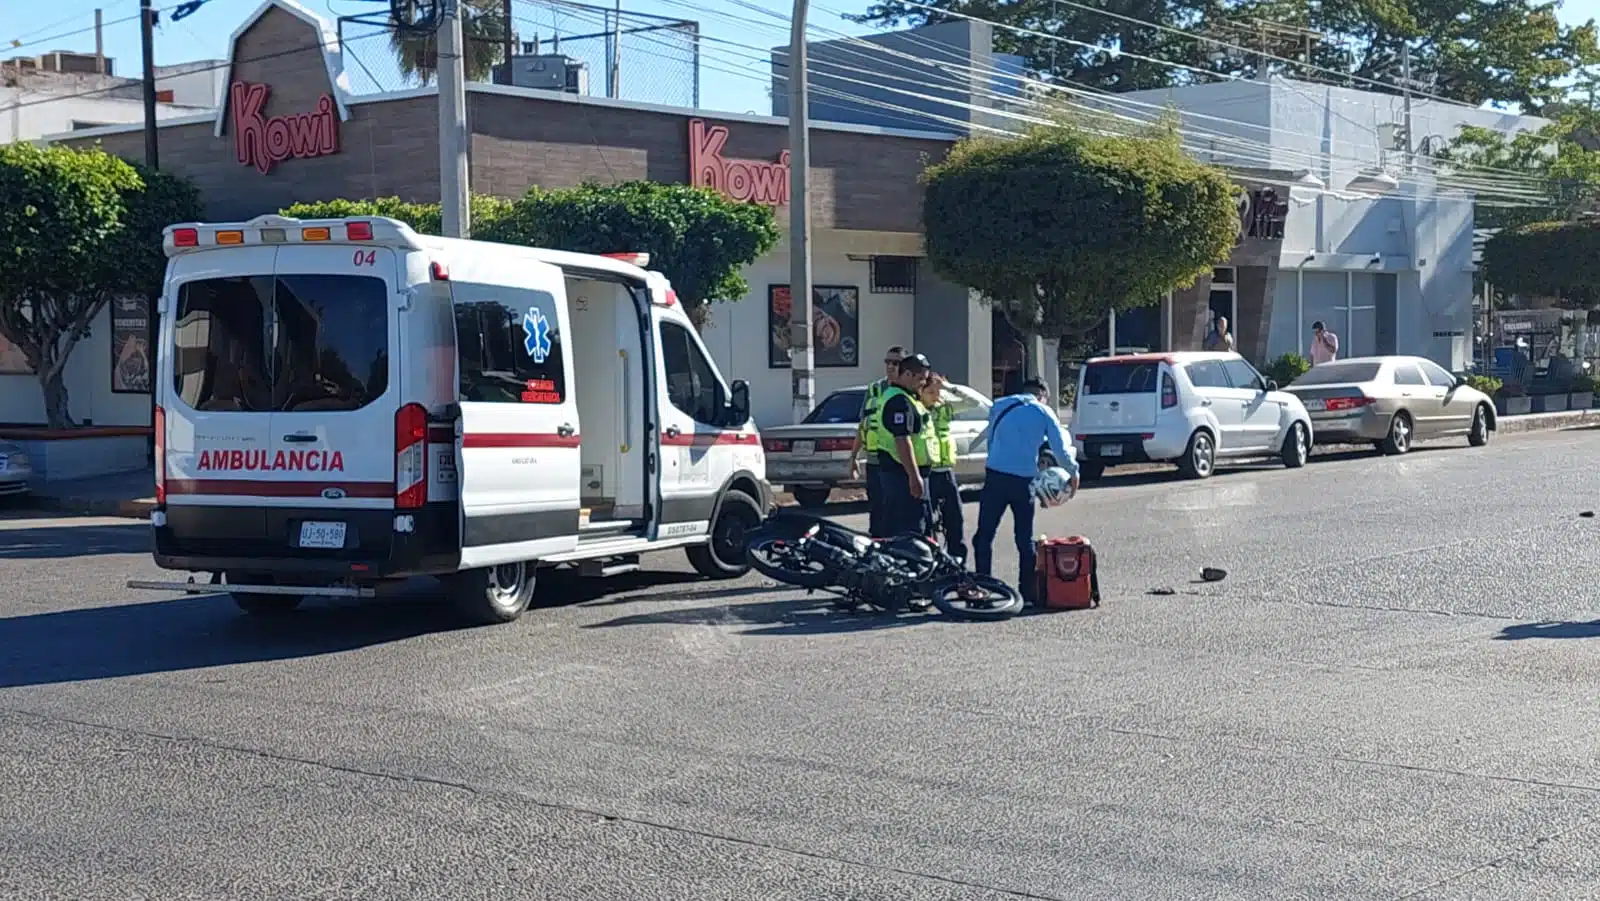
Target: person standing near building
[[944, 492], [905, 437], [866, 439], [1221, 338], [1018, 426], [1324, 344]]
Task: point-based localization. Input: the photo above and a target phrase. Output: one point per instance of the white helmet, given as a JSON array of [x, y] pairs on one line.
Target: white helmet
[[1052, 487]]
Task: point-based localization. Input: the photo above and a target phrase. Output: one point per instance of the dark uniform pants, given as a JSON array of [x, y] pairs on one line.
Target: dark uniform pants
[[902, 513], [874, 500], [945, 495]]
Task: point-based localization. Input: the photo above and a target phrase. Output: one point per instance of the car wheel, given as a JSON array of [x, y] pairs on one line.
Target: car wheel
[[1479, 436], [1400, 433], [725, 555], [1296, 446], [1200, 459], [811, 497], [1091, 471], [496, 594]]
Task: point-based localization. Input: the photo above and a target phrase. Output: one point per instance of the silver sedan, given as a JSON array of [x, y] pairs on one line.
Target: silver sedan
[[15, 469], [812, 458], [1390, 402]]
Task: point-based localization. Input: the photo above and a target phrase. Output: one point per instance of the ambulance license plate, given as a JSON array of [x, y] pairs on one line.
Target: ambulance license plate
[[1110, 450], [322, 534]]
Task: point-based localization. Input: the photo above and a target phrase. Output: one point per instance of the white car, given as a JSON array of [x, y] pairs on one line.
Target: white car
[[15, 470], [1188, 408]]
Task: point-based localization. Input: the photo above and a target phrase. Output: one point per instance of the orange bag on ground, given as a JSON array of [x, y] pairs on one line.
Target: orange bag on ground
[[1065, 574]]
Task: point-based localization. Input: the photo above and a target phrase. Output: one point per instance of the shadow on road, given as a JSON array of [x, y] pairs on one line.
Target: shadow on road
[[814, 615], [1525, 631], [61, 542]]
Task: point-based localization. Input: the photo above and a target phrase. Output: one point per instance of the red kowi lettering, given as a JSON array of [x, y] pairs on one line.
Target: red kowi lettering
[[263, 143], [271, 461], [754, 181]]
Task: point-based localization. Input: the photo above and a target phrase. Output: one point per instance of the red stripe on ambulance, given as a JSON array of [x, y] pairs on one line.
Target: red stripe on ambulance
[[263, 488]]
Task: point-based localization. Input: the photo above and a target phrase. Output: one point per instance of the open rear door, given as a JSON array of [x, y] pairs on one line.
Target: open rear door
[[519, 445]]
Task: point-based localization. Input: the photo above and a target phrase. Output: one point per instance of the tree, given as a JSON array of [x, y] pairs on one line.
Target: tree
[[1507, 51], [423, 218], [1547, 259], [1549, 175], [1061, 227], [78, 227], [483, 29], [696, 237]]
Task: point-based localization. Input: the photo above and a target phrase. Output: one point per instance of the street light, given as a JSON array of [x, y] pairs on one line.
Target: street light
[[1373, 181]]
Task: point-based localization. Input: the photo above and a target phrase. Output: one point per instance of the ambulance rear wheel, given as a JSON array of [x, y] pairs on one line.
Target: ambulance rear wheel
[[725, 555], [496, 594]]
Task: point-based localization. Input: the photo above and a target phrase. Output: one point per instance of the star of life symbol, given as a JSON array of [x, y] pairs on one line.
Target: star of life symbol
[[536, 334]]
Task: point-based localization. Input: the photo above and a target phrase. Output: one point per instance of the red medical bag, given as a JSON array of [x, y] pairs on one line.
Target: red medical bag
[[1065, 576]]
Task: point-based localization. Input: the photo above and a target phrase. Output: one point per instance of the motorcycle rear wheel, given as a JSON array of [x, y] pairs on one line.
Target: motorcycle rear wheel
[[971, 596]]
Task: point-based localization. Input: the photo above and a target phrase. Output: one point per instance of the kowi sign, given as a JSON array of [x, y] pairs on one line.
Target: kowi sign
[[264, 143], [753, 181]]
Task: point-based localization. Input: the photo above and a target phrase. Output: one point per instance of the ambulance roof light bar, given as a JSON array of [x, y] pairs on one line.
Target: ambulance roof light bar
[[275, 230]]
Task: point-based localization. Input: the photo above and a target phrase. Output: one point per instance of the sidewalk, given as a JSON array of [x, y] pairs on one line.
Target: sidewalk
[[131, 494]]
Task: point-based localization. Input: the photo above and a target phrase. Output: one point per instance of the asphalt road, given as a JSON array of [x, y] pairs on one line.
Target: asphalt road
[[1393, 695]]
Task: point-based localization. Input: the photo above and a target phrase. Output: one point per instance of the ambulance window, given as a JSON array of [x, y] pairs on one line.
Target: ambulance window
[[220, 344], [692, 384], [332, 349], [493, 344]]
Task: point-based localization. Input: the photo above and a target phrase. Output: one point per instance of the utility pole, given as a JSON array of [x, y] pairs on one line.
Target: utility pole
[[614, 82], [99, 43], [455, 217], [801, 355], [1405, 92], [147, 25], [510, 44]]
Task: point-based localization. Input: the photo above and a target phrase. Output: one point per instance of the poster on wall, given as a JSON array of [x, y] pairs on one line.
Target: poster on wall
[[130, 345], [12, 360], [835, 326]]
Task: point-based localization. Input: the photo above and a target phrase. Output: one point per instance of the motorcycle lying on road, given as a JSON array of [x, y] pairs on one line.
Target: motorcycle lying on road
[[907, 572]]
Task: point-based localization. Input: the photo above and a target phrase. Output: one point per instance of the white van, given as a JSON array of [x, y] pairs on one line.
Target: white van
[[344, 403]]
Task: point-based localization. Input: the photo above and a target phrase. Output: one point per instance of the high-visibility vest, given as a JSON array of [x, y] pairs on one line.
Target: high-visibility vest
[[869, 408], [944, 446], [920, 442]]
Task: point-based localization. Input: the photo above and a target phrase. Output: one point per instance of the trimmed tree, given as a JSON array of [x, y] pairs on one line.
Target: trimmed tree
[[79, 227], [1061, 227], [696, 237], [1547, 259]]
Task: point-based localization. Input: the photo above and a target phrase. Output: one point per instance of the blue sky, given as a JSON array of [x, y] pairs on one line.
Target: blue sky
[[654, 66], [733, 64]]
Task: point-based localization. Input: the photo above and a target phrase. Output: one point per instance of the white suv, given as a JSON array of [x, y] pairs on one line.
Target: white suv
[[1186, 408]]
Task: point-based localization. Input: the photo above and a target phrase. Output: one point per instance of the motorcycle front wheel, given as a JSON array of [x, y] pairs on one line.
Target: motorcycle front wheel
[[971, 596]]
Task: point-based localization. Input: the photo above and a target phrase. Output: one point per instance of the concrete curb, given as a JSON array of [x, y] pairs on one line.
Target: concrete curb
[[139, 508]]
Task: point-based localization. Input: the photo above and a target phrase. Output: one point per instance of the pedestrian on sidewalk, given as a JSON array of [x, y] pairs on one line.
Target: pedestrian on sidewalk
[[1324, 344], [1018, 426], [867, 439], [943, 489]]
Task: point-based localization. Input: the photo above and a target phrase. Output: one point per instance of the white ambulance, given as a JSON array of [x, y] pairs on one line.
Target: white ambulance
[[343, 404]]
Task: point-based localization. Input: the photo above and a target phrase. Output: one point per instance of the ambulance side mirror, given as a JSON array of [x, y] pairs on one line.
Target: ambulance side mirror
[[739, 404]]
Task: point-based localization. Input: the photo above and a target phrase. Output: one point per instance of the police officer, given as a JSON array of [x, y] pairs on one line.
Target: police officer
[[944, 493], [904, 435], [866, 439]]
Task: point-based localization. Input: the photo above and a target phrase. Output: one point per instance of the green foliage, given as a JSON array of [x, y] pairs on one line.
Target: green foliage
[[1488, 384], [1547, 259], [1514, 51], [1556, 163], [76, 228], [1062, 226], [483, 28], [1285, 369], [696, 237], [423, 218]]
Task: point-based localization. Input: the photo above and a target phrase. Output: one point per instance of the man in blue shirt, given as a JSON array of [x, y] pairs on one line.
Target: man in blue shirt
[[1018, 426]]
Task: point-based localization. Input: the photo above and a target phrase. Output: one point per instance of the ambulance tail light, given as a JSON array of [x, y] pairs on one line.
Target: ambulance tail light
[[186, 237], [358, 231], [410, 457], [160, 429]]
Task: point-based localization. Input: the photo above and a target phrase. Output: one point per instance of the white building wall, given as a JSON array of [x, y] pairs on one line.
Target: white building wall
[[88, 382], [33, 114]]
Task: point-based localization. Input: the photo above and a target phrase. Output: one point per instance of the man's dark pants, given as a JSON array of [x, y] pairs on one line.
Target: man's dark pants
[[1001, 492], [901, 512], [945, 496], [874, 501]]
